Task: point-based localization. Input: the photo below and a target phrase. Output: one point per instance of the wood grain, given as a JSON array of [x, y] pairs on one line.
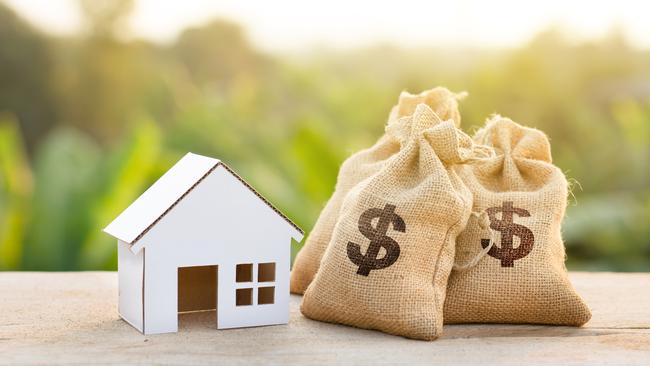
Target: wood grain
[[71, 318]]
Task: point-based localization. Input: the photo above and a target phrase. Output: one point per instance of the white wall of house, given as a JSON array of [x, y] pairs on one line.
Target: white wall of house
[[219, 222], [130, 277]]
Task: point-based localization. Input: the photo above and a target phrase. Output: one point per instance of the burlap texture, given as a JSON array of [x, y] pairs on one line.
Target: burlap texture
[[405, 298], [359, 167], [535, 288]]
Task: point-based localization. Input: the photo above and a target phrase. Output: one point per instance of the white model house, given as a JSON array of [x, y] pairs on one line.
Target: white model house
[[201, 238]]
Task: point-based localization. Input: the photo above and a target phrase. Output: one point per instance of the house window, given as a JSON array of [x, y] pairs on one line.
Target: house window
[[265, 295], [266, 272], [244, 272], [244, 296], [260, 291]]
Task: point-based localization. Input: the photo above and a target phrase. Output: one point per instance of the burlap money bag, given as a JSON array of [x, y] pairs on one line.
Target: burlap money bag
[[522, 279], [359, 167], [392, 248]]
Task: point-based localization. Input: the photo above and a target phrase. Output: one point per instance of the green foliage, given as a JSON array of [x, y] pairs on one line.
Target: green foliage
[[26, 71], [63, 167], [99, 119], [120, 179], [15, 193]]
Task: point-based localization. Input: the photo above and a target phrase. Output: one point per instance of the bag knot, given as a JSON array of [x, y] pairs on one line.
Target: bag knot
[[441, 100], [514, 140]]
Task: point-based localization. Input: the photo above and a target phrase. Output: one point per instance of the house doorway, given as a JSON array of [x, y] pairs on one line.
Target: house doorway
[[197, 297]]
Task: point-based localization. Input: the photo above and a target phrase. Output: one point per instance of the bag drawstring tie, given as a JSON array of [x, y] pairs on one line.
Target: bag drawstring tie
[[483, 223], [479, 153]]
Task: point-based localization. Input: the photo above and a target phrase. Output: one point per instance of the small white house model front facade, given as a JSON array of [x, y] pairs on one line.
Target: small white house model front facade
[[201, 238]]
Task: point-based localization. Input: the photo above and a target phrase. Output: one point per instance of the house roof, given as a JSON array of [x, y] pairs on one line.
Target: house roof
[[166, 192]]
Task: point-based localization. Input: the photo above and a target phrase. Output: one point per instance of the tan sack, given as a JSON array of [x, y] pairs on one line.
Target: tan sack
[[359, 167], [522, 279], [392, 248]]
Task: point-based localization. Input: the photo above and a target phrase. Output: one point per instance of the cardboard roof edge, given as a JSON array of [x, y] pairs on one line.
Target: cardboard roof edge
[[145, 212]]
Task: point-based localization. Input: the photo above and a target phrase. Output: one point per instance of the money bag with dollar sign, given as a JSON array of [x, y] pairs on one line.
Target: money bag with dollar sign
[[358, 167], [521, 278], [392, 248]]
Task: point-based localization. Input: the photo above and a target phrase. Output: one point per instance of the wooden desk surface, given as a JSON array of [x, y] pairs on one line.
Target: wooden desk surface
[[71, 318]]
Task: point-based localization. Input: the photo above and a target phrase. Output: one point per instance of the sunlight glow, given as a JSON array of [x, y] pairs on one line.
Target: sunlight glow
[[290, 25]]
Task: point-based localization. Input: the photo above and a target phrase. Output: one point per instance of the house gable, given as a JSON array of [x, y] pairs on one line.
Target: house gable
[[218, 212], [160, 197], [168, 191]]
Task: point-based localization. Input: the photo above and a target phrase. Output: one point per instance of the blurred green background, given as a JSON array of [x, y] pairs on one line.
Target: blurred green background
[[87, 122]]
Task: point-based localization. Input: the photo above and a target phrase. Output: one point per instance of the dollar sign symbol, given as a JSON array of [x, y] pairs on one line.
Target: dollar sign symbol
[[378, 239], [506, 253]]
